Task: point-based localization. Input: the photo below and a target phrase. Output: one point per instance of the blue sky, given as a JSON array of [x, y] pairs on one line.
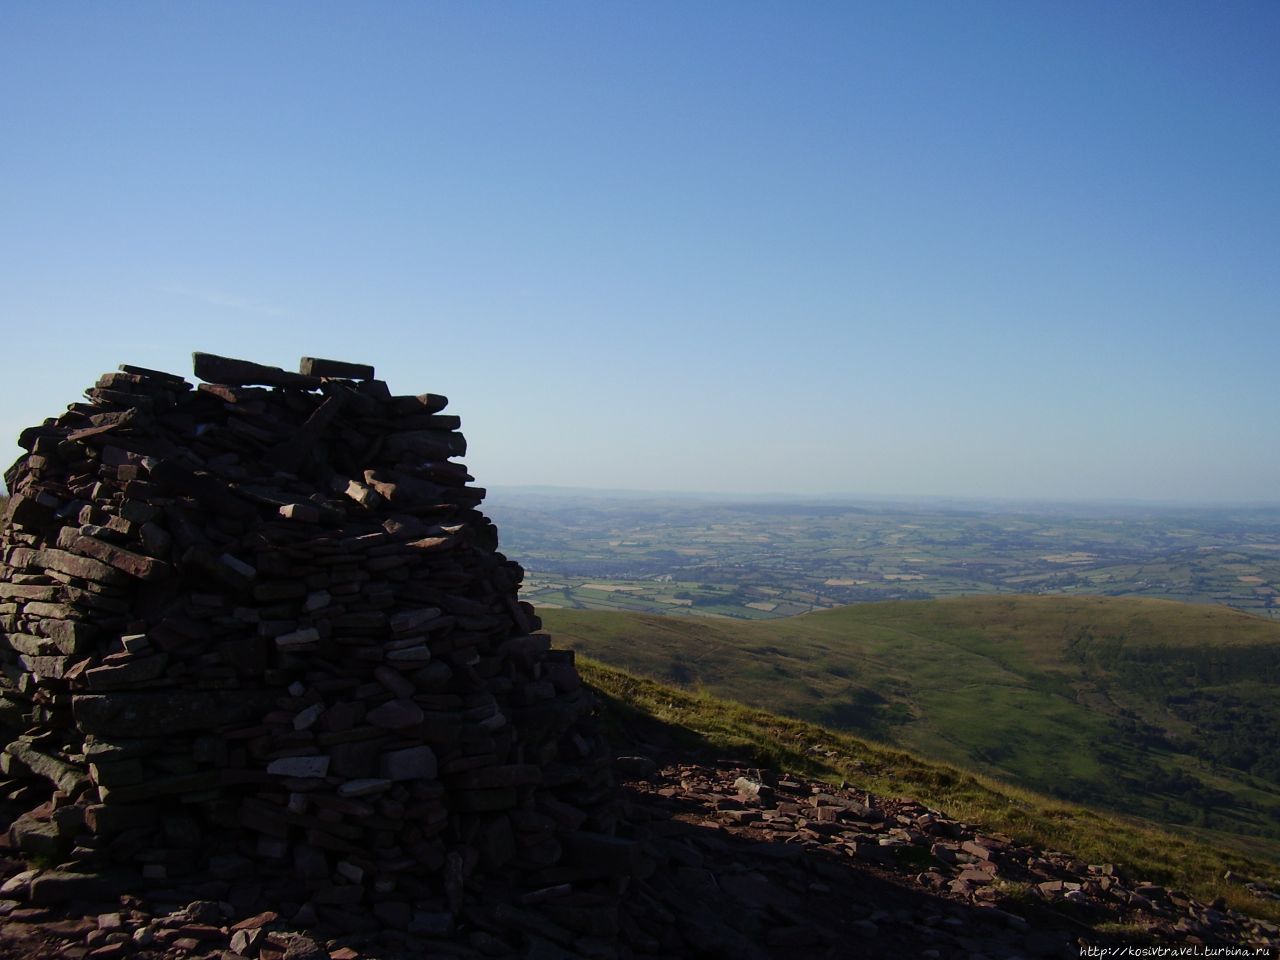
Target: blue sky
[[975, 249]]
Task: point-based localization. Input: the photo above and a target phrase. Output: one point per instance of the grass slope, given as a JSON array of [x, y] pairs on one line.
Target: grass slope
[[1163, 710], [634, 704]]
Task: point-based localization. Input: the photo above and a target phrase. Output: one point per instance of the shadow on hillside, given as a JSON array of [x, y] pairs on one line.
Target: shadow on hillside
[[727, 894], [721, 890]]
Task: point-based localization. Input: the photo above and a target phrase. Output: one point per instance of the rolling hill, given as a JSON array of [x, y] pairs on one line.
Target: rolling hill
[[1162, 710]]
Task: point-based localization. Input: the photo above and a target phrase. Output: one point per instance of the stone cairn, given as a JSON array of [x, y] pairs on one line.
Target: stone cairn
[[258, 646]]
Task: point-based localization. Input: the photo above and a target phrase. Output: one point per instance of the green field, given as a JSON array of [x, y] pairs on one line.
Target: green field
[[1153, 708]]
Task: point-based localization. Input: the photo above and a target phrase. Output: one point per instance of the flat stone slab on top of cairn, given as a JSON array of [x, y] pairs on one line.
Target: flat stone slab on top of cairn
[[315, 367]]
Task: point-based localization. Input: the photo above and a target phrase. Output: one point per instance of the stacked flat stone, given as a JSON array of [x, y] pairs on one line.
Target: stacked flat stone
[[258, 644]]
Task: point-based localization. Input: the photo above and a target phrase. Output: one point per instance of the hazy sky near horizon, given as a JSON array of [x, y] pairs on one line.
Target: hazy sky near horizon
[[1005, 249]]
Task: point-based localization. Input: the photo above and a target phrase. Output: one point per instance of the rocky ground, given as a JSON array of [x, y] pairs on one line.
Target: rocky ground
[[733, 863]]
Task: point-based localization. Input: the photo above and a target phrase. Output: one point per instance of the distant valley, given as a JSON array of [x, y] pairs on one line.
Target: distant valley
[[1162, 710], [771, 558], [1123, 656]]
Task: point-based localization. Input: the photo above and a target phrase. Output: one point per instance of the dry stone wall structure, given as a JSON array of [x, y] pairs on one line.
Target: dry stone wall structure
[[258, 644]]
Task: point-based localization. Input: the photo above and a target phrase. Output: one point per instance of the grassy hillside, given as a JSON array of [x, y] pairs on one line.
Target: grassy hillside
[[1163, 710], [634, 706]]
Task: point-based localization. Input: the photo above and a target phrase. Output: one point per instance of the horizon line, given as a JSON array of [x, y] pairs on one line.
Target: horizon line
[[855, 497]]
